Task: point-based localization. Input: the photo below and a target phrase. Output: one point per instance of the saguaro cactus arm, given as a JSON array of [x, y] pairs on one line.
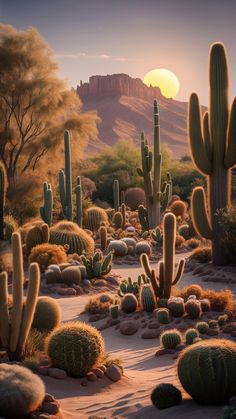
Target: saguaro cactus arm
[[197, 144], [179, 272], [230, 157], [199, 213]]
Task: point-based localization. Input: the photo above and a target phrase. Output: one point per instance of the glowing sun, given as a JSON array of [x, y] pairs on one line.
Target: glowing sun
[[165, 80]]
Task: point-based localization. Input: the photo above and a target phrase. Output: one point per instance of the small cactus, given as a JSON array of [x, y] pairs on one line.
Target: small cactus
[[97, 265], [116, 194], [129, 303], [94, 216], [147, 298], [46, 210], [118, 220], [176, 306], [103, 237], [202, 327], [171, 338], [143, 247], [163, 316], [213, 324], [114, 311], [190, 335], [47, 314], [193, 309], [120, 248], [71, 275], [205, 305], [222, 320], [165, 395]]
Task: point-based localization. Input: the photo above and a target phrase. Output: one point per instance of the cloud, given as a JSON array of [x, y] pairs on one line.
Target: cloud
[[98, 57]]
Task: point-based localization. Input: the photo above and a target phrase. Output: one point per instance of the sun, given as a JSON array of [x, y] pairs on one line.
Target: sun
[[165, 79]]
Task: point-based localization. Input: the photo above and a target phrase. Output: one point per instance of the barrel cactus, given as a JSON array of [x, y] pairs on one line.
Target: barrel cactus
[[68, 233], [71, 275], [147, 298], [193, 309], [117, 220], [47, 314], [163, 316], [179, 209], [119, 247], [134, 197], [21, 391], [171, 338], [165, 395], [190, 335], [176, 306], [37, 235], [129, 303], [202, 327], [94, 216], [53, 274], [75, 347], [143, 247], [206, 371]]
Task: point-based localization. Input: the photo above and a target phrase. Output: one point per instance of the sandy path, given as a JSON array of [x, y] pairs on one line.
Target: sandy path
[[129, 398]]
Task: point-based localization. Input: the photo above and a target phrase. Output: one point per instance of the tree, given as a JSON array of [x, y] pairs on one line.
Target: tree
[[35, 105]]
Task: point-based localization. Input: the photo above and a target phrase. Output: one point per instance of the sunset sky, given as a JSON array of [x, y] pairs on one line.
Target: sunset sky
[[131, 36]]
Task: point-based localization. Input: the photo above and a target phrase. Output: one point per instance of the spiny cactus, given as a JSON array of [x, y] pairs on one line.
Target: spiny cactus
[[47, 314], [2, 199], [171, 338], [190, 335], [143, 247], [147, 298], [124, 214], [202, 327], [184, 231], [206, 371], [14, 329], [114, 311], [130, 242], [97, 265], [119, 247], [222, 320], [71, 275], [117, 220], [65, 181], [37, 235], [75, 347], [157, 235], [68, 233], [116, 194], [94, 216], [157, 198], [193, 308], [176, 306], [79, 209], [103, 237], [46, 210], [53, 274], [21, 391], [129, 303], [163, 280], [163, 315], [214, 153], [165, 395], [179, 209]]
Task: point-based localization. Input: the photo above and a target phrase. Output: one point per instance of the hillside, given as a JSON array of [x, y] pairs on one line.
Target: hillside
[[125, 105]]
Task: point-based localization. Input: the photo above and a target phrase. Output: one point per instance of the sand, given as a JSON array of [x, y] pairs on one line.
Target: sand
[[130, 397]]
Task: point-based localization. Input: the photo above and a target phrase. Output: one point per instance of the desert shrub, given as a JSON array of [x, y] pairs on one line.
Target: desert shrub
[[165, 395], [134, 197], [171, 338], [96, 306], [191, 290], [10, 225], [47, 314], [179, 209], [35, 342], [75, 347], [47, 254], [21, 391], [68, 233], [193, 243], [179, 241], [201, 254], [220, 300], [205, 304], [206, 371]]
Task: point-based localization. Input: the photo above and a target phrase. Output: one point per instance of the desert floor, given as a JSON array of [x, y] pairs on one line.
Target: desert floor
[[130, 397]]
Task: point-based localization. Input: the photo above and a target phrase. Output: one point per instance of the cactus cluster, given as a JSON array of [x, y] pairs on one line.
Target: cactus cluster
[[129, 286], [97, 265], [14, 329], [163, 280]]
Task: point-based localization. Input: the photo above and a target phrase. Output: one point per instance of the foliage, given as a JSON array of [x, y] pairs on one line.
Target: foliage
[[47, 254], [201, 254], [129, 286], [97, 265]]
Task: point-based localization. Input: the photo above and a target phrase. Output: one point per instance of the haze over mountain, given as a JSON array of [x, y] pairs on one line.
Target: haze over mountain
[[125, 106]]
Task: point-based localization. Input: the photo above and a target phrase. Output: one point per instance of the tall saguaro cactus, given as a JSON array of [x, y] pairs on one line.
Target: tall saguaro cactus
[[2, 199], [65, 181], [15, 327], [156, 199], [213, 148], [79, 208], [46, 210], [165, 277], [116, 194]]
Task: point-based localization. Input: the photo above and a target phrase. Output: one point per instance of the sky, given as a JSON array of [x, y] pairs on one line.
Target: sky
[[91, 37]]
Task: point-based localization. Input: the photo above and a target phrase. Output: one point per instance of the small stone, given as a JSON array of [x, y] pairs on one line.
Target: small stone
[[42, 371], [113, 322], [180, 347], [84, 382], [57, 373], [86, 283], [129, 327], [49, 398], [153, 325], [91, 376], [114, 373], [50, 407], [229, 328], [99, 373], [100, 283], [163, 351], [78, 289], [213, 331], [150, 334]]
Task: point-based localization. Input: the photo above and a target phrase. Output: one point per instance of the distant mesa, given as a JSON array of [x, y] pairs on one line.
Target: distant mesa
[[117, 85]]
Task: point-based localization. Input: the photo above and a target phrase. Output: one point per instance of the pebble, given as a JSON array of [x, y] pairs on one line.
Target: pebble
[[114, 373], [57, 373], [50, 407], [150, 334], [84, 382], [129, 327], [91, 376], [98, 372]]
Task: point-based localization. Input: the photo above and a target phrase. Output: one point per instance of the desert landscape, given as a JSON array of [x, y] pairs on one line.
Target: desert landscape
[[117, 238]]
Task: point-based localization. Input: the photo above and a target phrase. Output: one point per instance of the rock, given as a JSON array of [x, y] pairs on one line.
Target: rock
[[78, 289], [150, 334], [103, 327], [129, 327], [213, 331], [153, 325], [100, 283], [42, 370], [96, 317], [57, 373], [65, 291], [49, 398], [102, 368], [113, 322], [84, 382], [50, 407], [91, 376], [114, 373], [112, 280], [163, 351], [86, 283], [229, 328], [99, 373]]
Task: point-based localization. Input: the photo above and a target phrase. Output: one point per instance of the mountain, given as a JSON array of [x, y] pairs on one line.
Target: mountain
[[125, 106]]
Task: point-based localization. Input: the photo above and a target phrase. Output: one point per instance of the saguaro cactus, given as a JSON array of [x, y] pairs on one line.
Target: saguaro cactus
[[14, 328], [2, 199], [79, 208], [165, 277], [46, 210], [213, 148], [156, 199], [65, 181], [116, 194]]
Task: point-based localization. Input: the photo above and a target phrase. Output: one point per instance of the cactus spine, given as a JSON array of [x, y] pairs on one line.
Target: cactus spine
[[2, 199], [163, 280], [65, 181], [116, 194], [79, 209], [156, 199], [46, 210], [14, 331], [213, 152]]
